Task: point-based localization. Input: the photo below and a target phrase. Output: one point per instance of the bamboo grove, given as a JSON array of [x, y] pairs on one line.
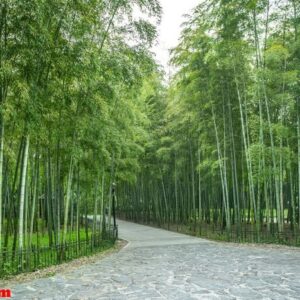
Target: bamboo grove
[[72, 116], [225, 147], [83, 105]]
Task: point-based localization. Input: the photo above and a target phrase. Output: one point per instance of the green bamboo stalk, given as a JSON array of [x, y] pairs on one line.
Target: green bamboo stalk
[[22, 193]]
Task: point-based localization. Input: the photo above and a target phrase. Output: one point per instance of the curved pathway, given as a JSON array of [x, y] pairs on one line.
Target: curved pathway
[[158, 264]]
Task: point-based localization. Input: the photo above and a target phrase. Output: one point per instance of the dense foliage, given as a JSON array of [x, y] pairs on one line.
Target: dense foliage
[[226, 147], [83, 105], [72, 114]]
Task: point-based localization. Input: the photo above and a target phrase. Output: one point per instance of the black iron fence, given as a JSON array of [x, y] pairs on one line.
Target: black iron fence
[[34, 258], [246, 235]]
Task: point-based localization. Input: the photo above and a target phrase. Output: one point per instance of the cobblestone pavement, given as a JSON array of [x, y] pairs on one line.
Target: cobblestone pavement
[[158, 264]]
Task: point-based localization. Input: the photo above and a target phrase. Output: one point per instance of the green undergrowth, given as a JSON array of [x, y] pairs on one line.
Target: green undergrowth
[[31, 260], [41, 239]]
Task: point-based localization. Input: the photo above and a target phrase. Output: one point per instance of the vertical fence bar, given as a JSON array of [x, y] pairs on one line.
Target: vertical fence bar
[[35, 257]]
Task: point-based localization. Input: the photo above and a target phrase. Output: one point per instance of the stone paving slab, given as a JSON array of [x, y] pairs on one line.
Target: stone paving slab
[[158, 264]]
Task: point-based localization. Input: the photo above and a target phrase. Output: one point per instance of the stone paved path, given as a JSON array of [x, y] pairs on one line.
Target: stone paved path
[[157, 264]]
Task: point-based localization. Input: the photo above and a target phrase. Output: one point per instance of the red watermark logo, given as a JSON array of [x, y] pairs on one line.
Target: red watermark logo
[[5, 293]]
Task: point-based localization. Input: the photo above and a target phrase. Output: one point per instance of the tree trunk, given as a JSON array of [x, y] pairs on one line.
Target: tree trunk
[[67, 202], [22, 193]]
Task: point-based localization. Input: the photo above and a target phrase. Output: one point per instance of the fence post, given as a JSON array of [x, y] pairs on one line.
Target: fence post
[[114, 203]]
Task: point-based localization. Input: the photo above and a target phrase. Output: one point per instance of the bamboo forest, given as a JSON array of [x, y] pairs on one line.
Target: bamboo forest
[[223, 151], [92, 125]]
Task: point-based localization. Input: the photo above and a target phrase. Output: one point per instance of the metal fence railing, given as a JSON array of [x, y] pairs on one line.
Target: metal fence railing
[[34, 258], [245, 234]]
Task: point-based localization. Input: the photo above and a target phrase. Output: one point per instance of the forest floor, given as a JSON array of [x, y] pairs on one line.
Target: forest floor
[[158, 264]]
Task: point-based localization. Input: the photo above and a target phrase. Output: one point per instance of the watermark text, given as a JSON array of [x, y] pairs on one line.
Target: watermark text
[[5, 293]]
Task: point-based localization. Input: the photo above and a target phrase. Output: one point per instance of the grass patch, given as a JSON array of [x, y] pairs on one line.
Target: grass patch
[[43, 240], [42, 253]]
